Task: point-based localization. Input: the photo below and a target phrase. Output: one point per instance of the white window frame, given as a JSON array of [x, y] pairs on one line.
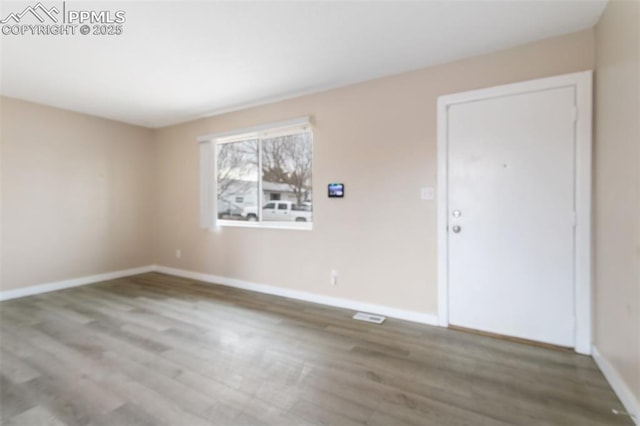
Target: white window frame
[[208, 173]]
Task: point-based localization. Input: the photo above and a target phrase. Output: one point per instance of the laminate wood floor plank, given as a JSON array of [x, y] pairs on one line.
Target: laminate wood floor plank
[[155, 349], [128, 414], [36, 416], [14, 400]]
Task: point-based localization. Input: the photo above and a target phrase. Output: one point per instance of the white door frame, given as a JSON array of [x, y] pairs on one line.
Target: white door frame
[[582, 81]]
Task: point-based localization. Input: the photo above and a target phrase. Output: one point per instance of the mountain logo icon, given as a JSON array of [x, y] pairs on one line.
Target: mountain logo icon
[[38, 11]]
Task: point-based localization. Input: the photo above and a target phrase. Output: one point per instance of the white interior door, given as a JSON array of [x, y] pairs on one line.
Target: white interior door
[[511, 215]]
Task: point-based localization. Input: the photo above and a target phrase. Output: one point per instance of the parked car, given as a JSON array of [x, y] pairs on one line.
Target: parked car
[[280, 211], [227, 209]]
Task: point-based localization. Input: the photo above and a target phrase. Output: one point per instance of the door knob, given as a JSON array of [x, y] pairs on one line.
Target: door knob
[[456, 229]]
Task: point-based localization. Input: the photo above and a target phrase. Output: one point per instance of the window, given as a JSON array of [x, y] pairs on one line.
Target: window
[[252, 172]]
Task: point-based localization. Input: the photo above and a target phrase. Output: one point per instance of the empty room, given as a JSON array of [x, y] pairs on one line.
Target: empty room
[[320, 213]]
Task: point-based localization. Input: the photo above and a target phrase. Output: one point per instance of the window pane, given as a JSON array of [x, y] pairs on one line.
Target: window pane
[[286, 176], [237, 168]]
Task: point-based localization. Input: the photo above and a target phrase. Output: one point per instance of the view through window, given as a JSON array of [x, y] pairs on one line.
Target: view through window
[[265, 178]]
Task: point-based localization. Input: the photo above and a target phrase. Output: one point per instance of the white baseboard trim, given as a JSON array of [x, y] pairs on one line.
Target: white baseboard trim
[[74, 282], [412, 316], [619, 386], [303, 295]]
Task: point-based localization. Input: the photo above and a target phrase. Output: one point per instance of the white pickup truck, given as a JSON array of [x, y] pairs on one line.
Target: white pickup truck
[[279, 211]]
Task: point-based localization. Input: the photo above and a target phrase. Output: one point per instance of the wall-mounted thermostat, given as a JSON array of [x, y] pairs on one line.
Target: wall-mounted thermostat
[[336, 190]]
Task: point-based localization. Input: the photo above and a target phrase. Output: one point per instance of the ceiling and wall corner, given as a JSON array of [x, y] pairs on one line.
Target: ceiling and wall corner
[[177, 61]]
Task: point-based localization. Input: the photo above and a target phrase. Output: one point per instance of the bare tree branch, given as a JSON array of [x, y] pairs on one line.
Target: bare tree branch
[[235, 162], [287, 159]]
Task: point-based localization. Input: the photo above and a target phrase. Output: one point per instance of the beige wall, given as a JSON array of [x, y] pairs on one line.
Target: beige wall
[[75, 195], [379, 138], [617, 190]]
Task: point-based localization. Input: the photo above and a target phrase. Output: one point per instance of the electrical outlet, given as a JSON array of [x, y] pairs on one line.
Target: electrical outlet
[[334, 277], [178, 254]]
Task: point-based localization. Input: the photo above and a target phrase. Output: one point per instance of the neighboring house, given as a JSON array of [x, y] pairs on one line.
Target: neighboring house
[[274, 191], [235, 195]]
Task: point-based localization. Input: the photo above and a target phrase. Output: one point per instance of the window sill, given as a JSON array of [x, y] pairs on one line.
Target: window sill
[[297, 226]]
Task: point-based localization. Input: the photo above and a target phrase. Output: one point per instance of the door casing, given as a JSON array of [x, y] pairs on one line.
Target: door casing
[[582, 81]]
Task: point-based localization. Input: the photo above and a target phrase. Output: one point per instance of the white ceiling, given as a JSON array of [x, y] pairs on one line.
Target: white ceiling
[[179, 60]]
